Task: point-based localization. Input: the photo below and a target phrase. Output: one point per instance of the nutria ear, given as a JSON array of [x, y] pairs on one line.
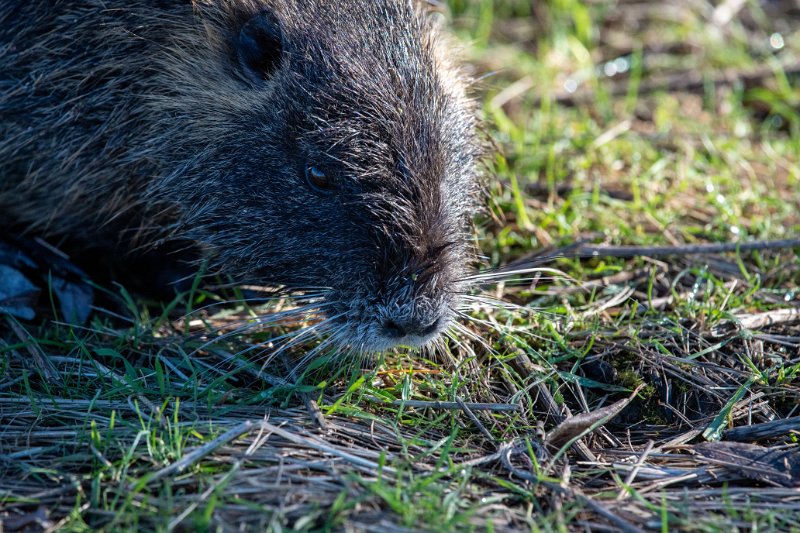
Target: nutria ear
[[259, 47]]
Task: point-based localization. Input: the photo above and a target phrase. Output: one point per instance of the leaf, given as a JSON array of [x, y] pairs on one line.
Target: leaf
[[74, 298], [17, 294], [577, 426]]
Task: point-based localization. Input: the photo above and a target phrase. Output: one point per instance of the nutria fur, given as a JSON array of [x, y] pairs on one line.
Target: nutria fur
[[325, 146]]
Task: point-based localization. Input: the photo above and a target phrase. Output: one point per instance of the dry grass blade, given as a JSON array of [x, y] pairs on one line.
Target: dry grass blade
[[40, 359]]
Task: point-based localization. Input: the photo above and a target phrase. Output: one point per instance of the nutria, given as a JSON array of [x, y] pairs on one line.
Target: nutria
[[320, 146]]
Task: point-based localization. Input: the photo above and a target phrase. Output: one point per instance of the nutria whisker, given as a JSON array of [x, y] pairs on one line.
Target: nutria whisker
[[492, 302], [295, 338], [464, 331], [503, 273], [302, 364], [478, 321], [257, 300], [248, 325], [272, 347]]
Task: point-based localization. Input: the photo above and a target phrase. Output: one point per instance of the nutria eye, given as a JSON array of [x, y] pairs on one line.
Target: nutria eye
[[320, 181]]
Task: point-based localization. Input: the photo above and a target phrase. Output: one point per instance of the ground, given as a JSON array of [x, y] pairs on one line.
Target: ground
[[604, 388]]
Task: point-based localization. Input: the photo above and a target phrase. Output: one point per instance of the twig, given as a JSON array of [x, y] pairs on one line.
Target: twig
[[478, 424], [421, 404], [764, 430], [683, 81], [769, 318], [201, 451], [325, 448], [584, 251], [688, 249], [600, 509]]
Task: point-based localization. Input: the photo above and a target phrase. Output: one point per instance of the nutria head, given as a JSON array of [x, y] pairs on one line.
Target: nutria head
[[342, 160], [323, 146]]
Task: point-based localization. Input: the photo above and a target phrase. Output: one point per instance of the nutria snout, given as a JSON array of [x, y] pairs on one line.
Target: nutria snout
[[327, 147]]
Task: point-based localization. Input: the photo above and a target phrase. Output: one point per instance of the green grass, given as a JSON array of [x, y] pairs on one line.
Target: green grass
[[630, 159]]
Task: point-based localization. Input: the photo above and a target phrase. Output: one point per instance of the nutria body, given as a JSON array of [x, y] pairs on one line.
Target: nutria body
[[324, 146]]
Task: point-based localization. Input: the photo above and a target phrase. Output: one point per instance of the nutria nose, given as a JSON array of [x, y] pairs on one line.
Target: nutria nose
[[395, 329]]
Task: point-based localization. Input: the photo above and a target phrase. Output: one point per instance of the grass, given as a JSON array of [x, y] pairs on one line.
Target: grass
[[634, 124]]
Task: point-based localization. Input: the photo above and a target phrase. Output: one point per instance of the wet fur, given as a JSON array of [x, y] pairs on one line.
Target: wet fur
[[130, 125]]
